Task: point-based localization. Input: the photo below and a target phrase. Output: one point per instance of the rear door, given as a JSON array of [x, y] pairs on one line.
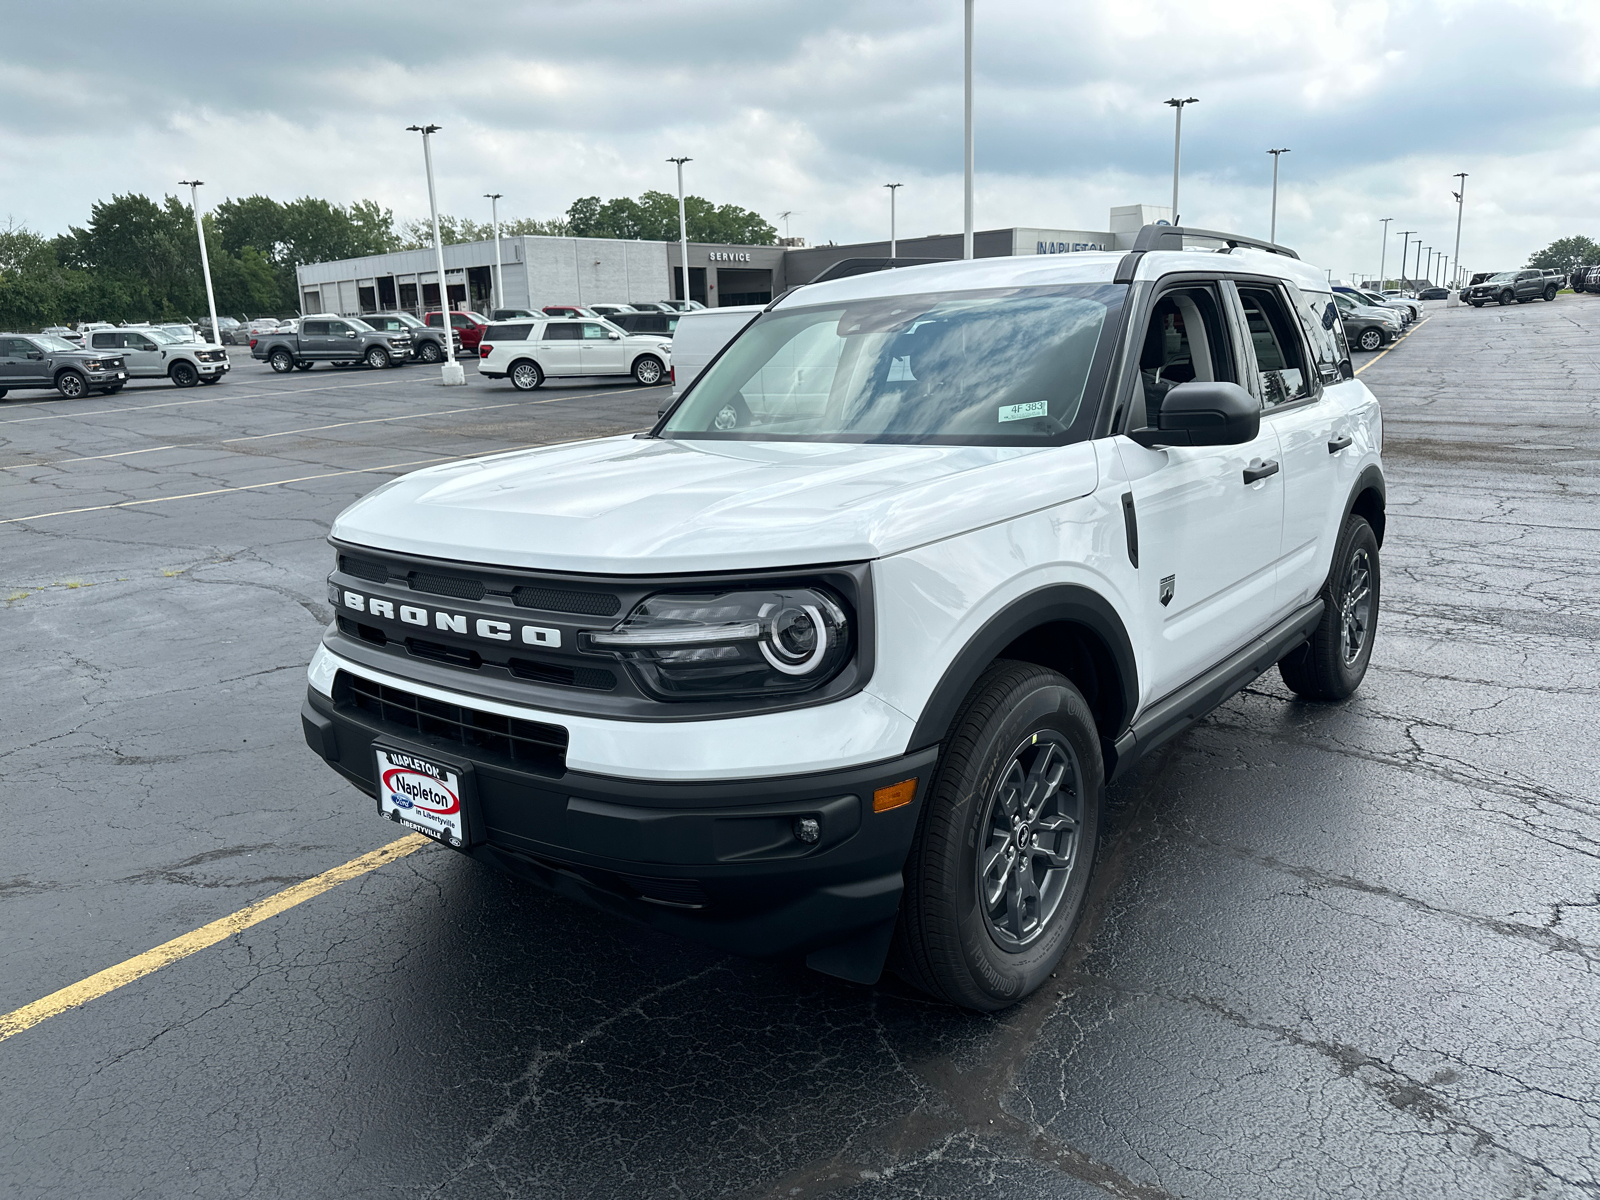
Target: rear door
[[598, 353], [312, 340], [1208, 533], [17, 364], [560, 350]]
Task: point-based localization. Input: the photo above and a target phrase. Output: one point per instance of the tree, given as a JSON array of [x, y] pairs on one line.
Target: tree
[[654, 217], [1564, 254]]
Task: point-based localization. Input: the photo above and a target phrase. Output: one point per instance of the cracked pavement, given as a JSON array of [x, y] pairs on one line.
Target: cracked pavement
[[1332, 950]]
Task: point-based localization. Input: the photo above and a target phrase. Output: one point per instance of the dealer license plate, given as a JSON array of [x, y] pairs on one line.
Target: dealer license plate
[[420, 795]]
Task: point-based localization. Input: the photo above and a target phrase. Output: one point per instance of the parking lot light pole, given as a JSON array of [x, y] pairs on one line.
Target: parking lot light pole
[[1383, 253], [892, 187], [1427, 272], [1177, 148], [205, 260], [966, 179], [683, 232], [451, 373], [1273, 236], [1405, 249], [1456, 257], [497, 298]]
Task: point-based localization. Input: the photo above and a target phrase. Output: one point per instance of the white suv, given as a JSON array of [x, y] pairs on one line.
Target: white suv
[[529, 352], [155, 353], [837, 659]]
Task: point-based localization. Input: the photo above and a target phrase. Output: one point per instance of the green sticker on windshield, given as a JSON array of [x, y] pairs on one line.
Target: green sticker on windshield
[[1021, 412]]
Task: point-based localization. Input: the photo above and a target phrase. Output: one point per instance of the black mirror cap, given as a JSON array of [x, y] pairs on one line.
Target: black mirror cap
[[1204, 414]]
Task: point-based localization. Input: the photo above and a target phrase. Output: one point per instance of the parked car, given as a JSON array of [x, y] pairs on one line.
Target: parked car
[[427, 342], [1591, 279], [515, 314], [42, 360], [469, 326], [659, 323], [1434, 293], [528, 352], [836, 660], [568, 310], [331, 339], [681, 305], [1366, 325], [610, 310], [702, 334], [155, 354], [1521, 286], [65, 334], [1408, 310], [653, 306]]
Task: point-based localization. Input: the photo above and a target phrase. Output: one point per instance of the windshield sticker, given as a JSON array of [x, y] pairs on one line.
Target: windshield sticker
[[1021, 412]]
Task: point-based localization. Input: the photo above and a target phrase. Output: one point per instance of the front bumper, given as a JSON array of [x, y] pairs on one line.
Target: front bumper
[[718, 862]]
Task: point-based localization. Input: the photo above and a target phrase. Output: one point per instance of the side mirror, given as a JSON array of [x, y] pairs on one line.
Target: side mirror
[[350, 333], [615, 337], [36, 354], [1203, 414]]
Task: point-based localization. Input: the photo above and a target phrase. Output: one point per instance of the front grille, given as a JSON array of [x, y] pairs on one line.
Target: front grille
[[364, 568], [593, 678], [454, 655], [458, 586], [531, 745], [588, 604], [680, 893]]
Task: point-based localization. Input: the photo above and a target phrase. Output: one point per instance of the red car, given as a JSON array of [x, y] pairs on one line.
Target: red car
[[468, 324]]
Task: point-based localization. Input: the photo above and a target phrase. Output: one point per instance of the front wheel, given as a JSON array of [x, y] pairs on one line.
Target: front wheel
[[377, 358], [184, 375], [1477, 304], [648, 370], [1550, 292], [71, 385], [1333, 663], [526, 376], [430, 352], [282, 361], [305, 366], [1370, 339], [1506, 297], [998, 873]]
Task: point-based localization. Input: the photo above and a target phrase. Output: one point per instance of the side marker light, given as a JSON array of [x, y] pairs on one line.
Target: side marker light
[[896, 795]]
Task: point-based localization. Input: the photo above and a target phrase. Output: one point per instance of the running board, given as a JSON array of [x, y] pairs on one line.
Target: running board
[[1174, 713]]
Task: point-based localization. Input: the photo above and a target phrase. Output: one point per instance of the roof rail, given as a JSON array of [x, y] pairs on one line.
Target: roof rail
[[1173, 237]]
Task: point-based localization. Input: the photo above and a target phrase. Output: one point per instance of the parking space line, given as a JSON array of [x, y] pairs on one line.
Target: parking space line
[[140, 965], [1395, 343]]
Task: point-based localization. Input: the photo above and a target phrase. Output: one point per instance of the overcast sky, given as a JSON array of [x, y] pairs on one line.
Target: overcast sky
[[813, 106]]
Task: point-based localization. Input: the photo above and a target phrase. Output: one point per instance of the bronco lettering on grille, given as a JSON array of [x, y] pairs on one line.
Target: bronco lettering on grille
[[485, 628]]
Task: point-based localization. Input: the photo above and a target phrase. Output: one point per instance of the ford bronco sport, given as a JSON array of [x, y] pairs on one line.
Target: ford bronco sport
[[837, 659]]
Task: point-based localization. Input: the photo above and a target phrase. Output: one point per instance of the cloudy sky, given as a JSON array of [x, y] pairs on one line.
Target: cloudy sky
[[812, 106]]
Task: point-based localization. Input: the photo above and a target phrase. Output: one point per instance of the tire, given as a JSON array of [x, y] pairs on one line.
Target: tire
[[430, 351], [183, 374], [1333, 663], [1506, 297], [377, 358], [525, 375], [1550, 293], [71, 384], [648, 370], [1370, 339], [210, 379], [1477, 304], [971, 937], [304, 366], [110, 391], [281, 361], [2, 393]]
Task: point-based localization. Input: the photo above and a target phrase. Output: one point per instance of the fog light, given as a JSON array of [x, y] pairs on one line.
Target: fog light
[[807, 829]]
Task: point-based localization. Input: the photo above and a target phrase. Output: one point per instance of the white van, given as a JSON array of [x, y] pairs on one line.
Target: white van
[[701, 334]]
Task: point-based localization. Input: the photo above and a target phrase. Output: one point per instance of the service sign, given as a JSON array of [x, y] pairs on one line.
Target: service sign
[[420, 795]]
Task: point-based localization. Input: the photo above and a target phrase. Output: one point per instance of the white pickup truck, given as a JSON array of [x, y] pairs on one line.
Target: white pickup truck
[[155, 354]]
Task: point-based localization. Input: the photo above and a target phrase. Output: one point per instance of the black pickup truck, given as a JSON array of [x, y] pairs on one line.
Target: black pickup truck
[[343, 341]]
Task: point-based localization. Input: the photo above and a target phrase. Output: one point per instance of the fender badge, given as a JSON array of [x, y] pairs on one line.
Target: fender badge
[[1166, 589]]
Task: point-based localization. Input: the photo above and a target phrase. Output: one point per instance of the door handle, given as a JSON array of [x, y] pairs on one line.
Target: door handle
[[1260, 471], [1339, 444]]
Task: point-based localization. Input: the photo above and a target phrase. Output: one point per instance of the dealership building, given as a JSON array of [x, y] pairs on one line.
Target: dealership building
[[536, 271]]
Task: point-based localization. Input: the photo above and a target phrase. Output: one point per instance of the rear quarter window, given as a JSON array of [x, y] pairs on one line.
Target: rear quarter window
[[508, 333]]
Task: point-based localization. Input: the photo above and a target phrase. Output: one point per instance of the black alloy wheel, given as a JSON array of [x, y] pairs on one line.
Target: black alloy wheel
[[648, 370], [1506, 297], [526, 376], [1332, 664], [71, 384], [377, 358], [184, 375], [998, 874], [1550, 292], [1370, 339], [281, 361], [430, 352]]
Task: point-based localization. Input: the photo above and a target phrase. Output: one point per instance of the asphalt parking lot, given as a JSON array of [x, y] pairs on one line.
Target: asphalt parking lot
[[1333, 951]]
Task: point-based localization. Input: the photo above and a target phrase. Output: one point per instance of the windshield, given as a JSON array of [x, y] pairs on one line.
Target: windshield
[[360, 326], [1503, 277], [409, 321], [49, 341], [160, 336], [1002, 367]]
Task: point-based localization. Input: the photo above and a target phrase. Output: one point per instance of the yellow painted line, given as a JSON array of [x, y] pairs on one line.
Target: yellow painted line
[[1396, 342], [179, 948]]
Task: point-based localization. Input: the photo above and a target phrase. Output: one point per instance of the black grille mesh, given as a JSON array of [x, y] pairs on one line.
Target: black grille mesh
[[590, 604], [363, 568], [447, 585], [530, 744]]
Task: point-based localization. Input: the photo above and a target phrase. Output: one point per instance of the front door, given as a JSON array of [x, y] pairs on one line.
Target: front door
[[1210, 518], [599, 354], [146, 360], [21, 362], [344, 344], [559, 348]]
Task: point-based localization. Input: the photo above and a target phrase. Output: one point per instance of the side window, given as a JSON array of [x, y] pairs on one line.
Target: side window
[[14, 348], [103, 341], [561, 331], [337, 328], [314, 329], [135, 342], [593, 332], [507, 333], [1185, 340], [1318, 319], [1279, 362], [460, 321], [436, 320]]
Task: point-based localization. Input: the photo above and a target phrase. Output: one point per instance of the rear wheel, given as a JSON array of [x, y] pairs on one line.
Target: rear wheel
[[304, 366], [281, 360], [71, 384], [377, 358], [525, 375], [648, 370], [430, 352], [2, 393], [1370, 339], [183, 374], [1333, 663], [999, 870], [110, 391]]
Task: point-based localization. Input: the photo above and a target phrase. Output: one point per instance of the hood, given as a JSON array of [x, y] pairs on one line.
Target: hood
[[629, 505]]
